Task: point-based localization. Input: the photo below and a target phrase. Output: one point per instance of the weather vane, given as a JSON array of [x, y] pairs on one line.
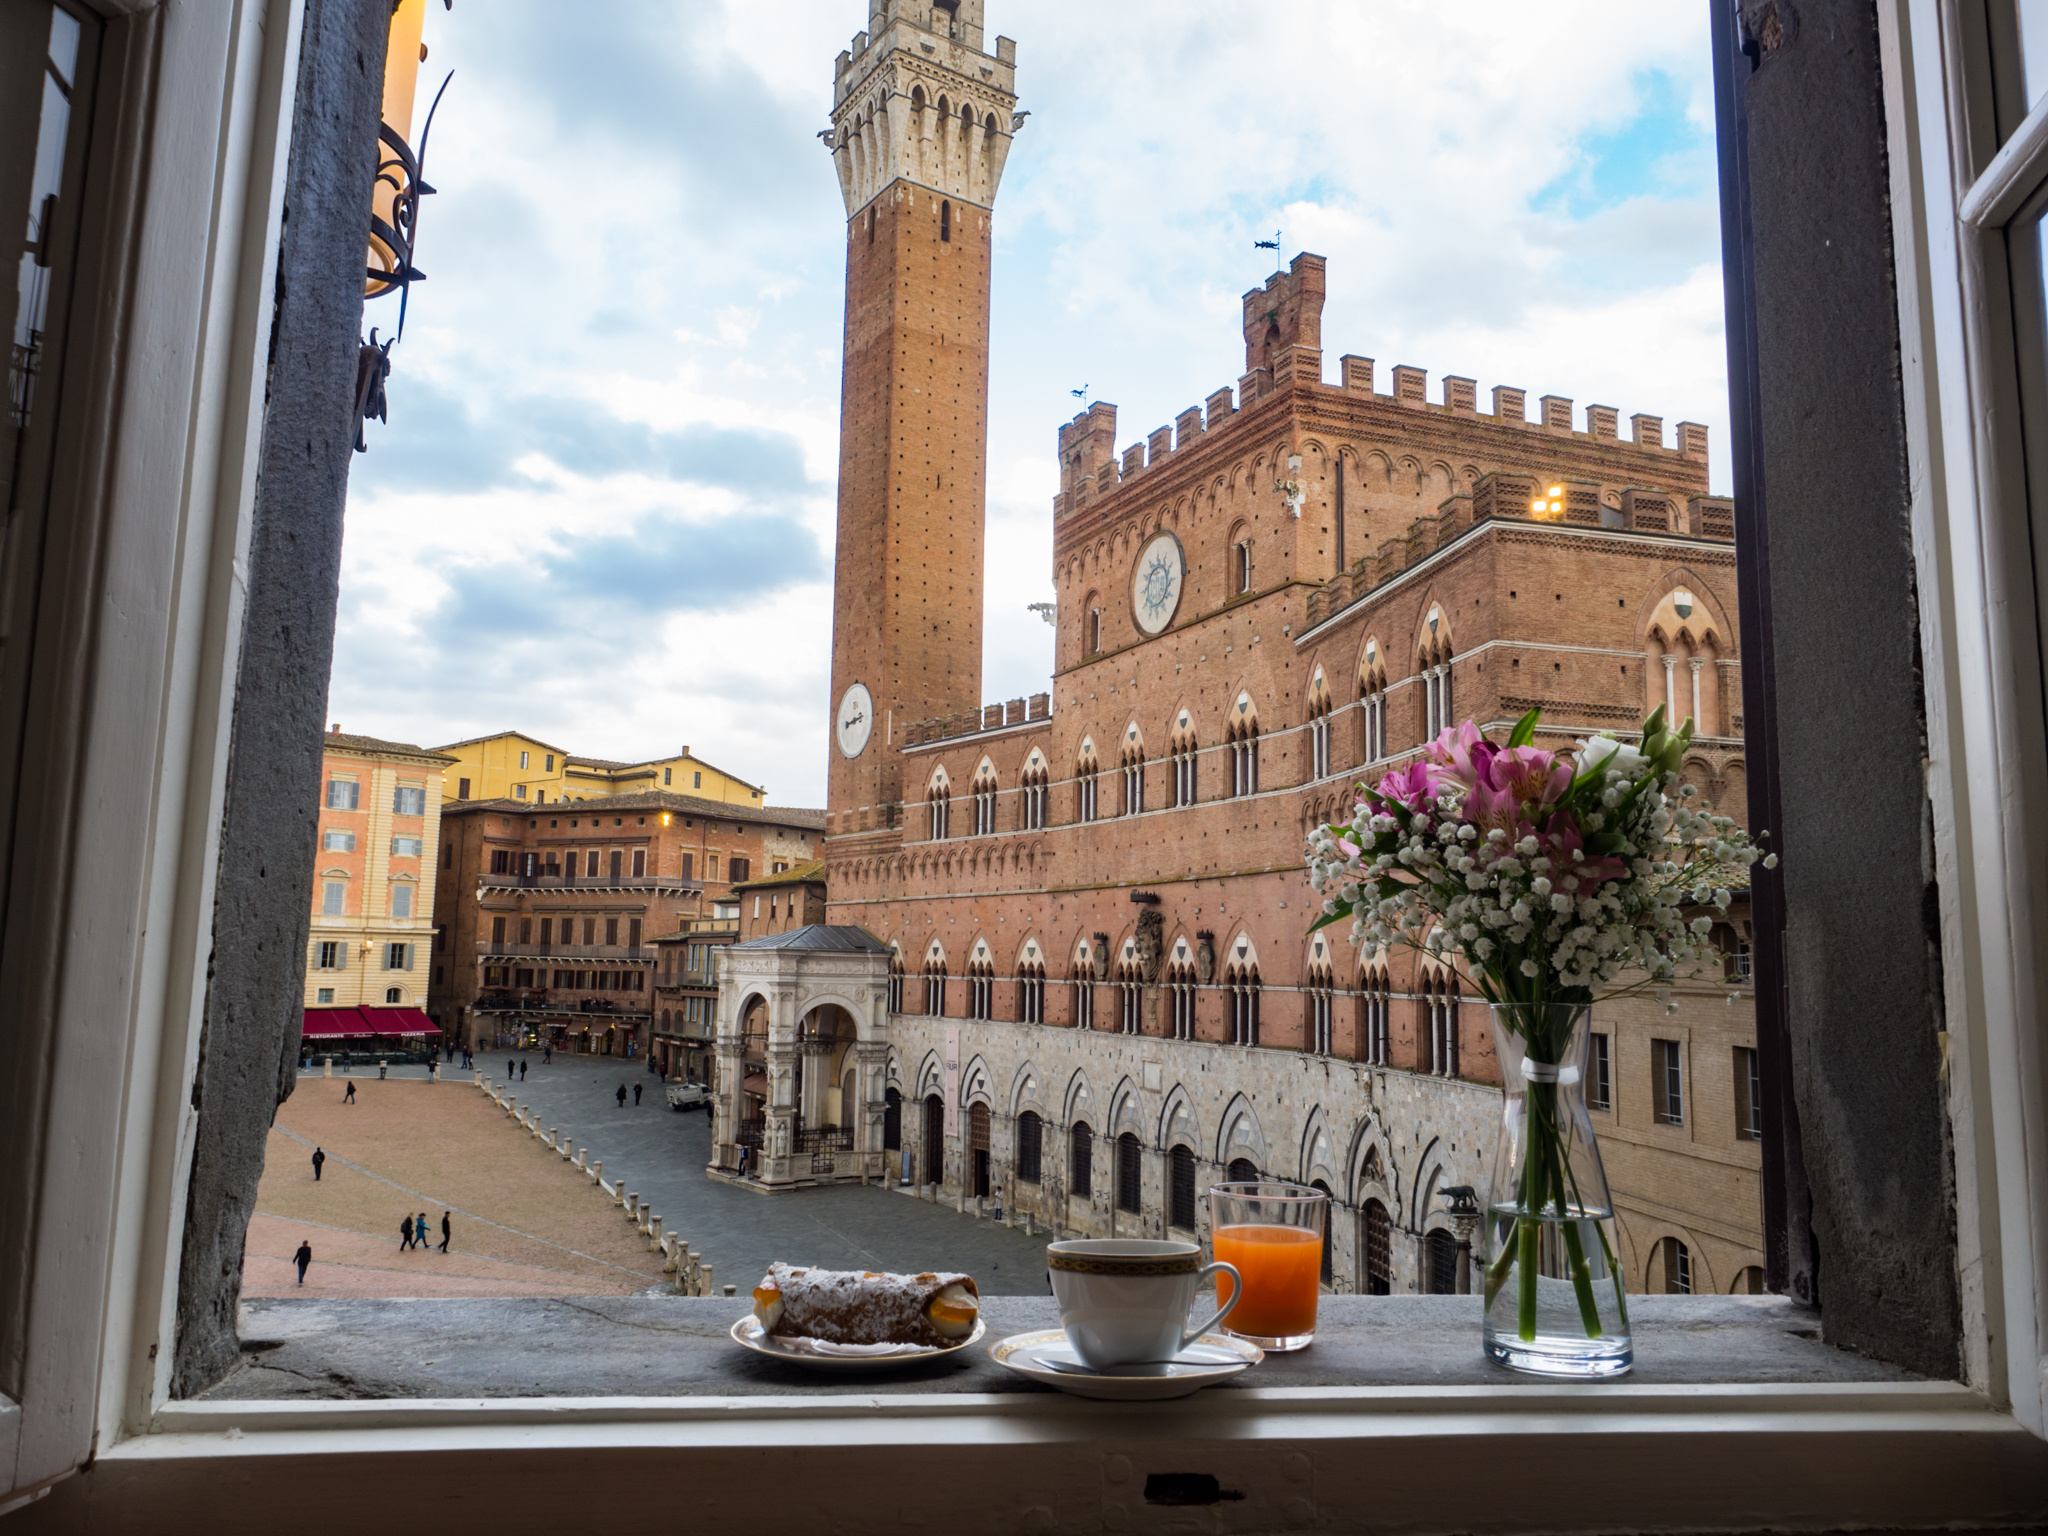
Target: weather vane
[[1080, 394], [1272, 245]]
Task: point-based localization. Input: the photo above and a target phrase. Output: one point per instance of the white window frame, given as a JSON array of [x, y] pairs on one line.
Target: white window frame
[[104, 1301]]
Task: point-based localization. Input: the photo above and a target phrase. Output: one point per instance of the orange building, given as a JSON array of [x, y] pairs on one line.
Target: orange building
[[548, 916], [373, 890]]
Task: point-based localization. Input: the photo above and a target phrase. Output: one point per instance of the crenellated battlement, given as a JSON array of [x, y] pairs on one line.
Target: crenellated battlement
[[1283, 353]]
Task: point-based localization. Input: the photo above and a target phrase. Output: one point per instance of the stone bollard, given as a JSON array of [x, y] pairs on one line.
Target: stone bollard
[[564, 1148], [330, 1068], [678, 1259], [668, 1253], [583, 1161], [654, 1235], [730, 1290], [597, 1171], [1030, 1226], [631, 1204]]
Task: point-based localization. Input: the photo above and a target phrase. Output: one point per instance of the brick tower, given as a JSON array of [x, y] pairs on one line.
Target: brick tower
[[921, 124]]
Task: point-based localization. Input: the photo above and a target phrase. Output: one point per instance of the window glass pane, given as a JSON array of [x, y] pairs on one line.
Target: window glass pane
[[2033, 23]]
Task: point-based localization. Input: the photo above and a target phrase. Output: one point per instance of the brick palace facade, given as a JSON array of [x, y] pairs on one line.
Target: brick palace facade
[[1102, 995]]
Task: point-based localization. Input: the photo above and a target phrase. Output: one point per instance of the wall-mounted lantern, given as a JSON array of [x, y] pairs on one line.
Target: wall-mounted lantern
[[395, 200]]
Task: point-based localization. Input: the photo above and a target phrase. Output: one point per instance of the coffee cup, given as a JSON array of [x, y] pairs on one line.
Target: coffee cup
[[1124, 1301]]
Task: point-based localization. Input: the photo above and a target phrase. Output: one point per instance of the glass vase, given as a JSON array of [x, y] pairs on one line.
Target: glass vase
[[1553, 1284]]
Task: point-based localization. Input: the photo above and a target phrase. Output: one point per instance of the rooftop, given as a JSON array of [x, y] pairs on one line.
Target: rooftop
[[653, 800], [339, 741], [472, 741], [796, 874], [821, 937]]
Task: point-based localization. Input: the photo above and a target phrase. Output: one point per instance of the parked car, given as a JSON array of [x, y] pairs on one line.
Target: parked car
[[688, 1096]]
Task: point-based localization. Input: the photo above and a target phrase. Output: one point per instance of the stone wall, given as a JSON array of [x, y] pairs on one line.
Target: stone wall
[[1364, 1132]]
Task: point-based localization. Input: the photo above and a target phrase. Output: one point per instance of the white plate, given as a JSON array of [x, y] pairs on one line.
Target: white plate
[[749, 1334], [1211, 1358]]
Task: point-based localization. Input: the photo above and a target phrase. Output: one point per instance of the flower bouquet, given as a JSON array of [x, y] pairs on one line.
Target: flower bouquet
[[1557, 878]]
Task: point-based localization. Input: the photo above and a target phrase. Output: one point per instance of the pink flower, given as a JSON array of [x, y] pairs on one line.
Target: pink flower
[[1530, 775], [1463, 751], [1414, 786], [1491, 809], [1347, 847]]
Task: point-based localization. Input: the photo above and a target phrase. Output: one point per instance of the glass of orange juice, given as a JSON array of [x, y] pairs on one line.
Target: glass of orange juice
[[1273, 1234]]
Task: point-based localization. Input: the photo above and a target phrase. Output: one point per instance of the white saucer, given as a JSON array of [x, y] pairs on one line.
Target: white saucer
[[1211, 1358], [817, 1356]]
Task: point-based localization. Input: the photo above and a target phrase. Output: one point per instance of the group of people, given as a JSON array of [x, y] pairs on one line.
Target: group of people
[[414, 1234]]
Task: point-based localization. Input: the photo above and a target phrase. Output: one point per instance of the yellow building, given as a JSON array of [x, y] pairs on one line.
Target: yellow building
[[514, 766], [373, 883]]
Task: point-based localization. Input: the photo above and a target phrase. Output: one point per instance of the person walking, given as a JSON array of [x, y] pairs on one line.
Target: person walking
[[319, 1157], [419, 1231], [522, 1069], [622, 1095], [302, 1258], [405, 1233], [350, 1096], [636, 1094], [447, 1230]]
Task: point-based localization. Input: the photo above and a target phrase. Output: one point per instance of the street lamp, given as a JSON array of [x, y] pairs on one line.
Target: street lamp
[[1461, 1204]]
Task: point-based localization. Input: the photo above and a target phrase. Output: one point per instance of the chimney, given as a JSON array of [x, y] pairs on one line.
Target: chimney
[[336, 728]]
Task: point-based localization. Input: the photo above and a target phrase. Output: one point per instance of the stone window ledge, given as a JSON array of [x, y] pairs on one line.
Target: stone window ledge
[[669, 1347], [526, 1411]]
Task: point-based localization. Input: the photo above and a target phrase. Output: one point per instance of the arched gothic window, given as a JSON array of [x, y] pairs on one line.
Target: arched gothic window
[[1129, 1174], [1437, 707], [1031, 992], [1134, 778], [1030, 1142], [1379, 1244], [1084, 787], [1180, 1182], [1372, 712], [935, 988], [1037, 797], [1319, 738], [940, 803], [1180, 987], [1320, 991], [1184, 759], [1244, 748], [1440, 1004], [946, 221], [1084, 994], [1375, 1006], [985, 805], [981, 990], [1130, 987], [1242, 983], [1081, 1160], [895, 983]]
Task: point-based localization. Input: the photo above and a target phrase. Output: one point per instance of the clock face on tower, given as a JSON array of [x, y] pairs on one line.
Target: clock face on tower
[[855, 721], [1156, 583]]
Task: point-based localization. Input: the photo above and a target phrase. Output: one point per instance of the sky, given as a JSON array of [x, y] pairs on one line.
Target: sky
[[603, 509]]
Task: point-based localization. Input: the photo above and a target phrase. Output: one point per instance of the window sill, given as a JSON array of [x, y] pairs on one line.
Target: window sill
[[677, 1347], [1737, 1417]]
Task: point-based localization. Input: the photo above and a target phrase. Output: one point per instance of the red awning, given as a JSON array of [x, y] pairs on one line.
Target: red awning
[[756, 1083], [399, 1021], [334, 1023], [362, 1023]]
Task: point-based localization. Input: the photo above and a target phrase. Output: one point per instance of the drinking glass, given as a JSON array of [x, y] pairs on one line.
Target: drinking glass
[[1272, 1233]]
